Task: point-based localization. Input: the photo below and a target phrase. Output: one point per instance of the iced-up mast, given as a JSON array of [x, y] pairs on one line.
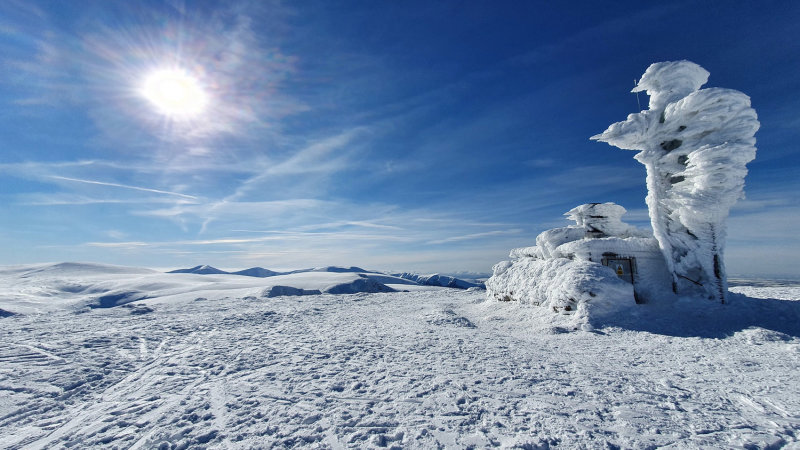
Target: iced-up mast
[[695, 144]]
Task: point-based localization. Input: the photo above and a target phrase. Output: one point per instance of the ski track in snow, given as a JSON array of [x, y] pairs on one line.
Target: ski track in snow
[[415, 370]]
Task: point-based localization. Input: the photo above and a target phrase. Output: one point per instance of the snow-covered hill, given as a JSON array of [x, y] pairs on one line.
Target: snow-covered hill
[[258, 272], [216, 361], [261, 272], [439, 280], [45, 287], [201, 270], [411, 278]]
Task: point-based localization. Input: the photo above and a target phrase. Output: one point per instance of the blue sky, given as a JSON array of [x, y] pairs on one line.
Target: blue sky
[[424, 136]]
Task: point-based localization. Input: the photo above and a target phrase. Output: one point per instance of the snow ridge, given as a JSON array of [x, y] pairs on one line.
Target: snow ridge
[[436, 279], [82, 287], [201, 270], [410, 277]]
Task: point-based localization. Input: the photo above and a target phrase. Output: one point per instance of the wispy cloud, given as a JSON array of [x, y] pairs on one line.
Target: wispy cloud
[[332, 225], [468, 237], [63, 199], [316, 157], [373, 225], [321, 157], [130, 244], [277, 237], [68, 174], [124, 186]]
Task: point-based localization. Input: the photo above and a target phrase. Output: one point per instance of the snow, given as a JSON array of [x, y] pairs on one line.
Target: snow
[[584, 290], [669, 81], [202, 270], [207, 361], [407, 280], [436, 279], [604, 219], [42, 288], [568, 272], [695, 144], [258, 272], [261, 272]]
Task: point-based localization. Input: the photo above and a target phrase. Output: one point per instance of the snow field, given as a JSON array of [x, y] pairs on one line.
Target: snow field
[[420, 369]]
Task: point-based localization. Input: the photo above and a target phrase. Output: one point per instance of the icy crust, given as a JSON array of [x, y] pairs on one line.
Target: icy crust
[[581, 248], [584, 289], [652, 281], [695, 145], [603, 219], [593, 249], [717, 144], [595, 220], [668, 81], [548, 241]]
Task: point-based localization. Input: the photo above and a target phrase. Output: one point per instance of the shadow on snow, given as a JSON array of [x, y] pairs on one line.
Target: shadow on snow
[[706, 319]]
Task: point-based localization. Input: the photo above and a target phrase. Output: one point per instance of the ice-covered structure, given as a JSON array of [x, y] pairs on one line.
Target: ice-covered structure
[[598, 263], [695, 144]]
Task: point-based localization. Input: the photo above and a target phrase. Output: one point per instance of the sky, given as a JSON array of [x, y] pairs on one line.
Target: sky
[[399, 136]]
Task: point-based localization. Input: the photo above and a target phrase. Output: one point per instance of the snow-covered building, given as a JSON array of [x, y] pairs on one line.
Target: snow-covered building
[[695, 144], [576, 263]]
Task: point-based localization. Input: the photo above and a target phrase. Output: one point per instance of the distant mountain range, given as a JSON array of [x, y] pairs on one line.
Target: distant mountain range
[[202, 270], [260, 272], [439, 280]]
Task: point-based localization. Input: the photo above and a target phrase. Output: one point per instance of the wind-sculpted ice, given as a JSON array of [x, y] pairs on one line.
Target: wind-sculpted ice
[[695, 145]]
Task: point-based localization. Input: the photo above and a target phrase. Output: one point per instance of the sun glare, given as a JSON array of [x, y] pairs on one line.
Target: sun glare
[[175, 93]]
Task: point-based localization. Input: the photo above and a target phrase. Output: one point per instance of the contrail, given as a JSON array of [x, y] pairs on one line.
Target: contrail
[[137, 188]]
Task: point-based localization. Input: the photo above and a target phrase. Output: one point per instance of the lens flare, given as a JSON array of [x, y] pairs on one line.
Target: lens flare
[[175, 93]]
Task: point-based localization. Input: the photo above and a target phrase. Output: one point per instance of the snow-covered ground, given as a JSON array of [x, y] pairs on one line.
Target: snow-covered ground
[[212, 361]]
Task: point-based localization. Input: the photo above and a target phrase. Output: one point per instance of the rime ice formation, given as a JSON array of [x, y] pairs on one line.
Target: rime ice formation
[[695, 145], [586, 269]]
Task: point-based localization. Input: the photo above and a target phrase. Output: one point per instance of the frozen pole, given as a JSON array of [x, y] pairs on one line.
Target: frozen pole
[[695, 144]]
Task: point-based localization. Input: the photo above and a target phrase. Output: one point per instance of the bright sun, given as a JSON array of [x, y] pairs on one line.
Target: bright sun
[[175, 93]]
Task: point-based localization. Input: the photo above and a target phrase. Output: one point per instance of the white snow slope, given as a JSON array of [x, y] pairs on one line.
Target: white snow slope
[[421, 369]]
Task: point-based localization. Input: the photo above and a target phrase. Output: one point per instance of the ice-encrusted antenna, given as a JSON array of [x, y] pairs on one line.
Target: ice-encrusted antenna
[[635, 82], [695, 144]]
